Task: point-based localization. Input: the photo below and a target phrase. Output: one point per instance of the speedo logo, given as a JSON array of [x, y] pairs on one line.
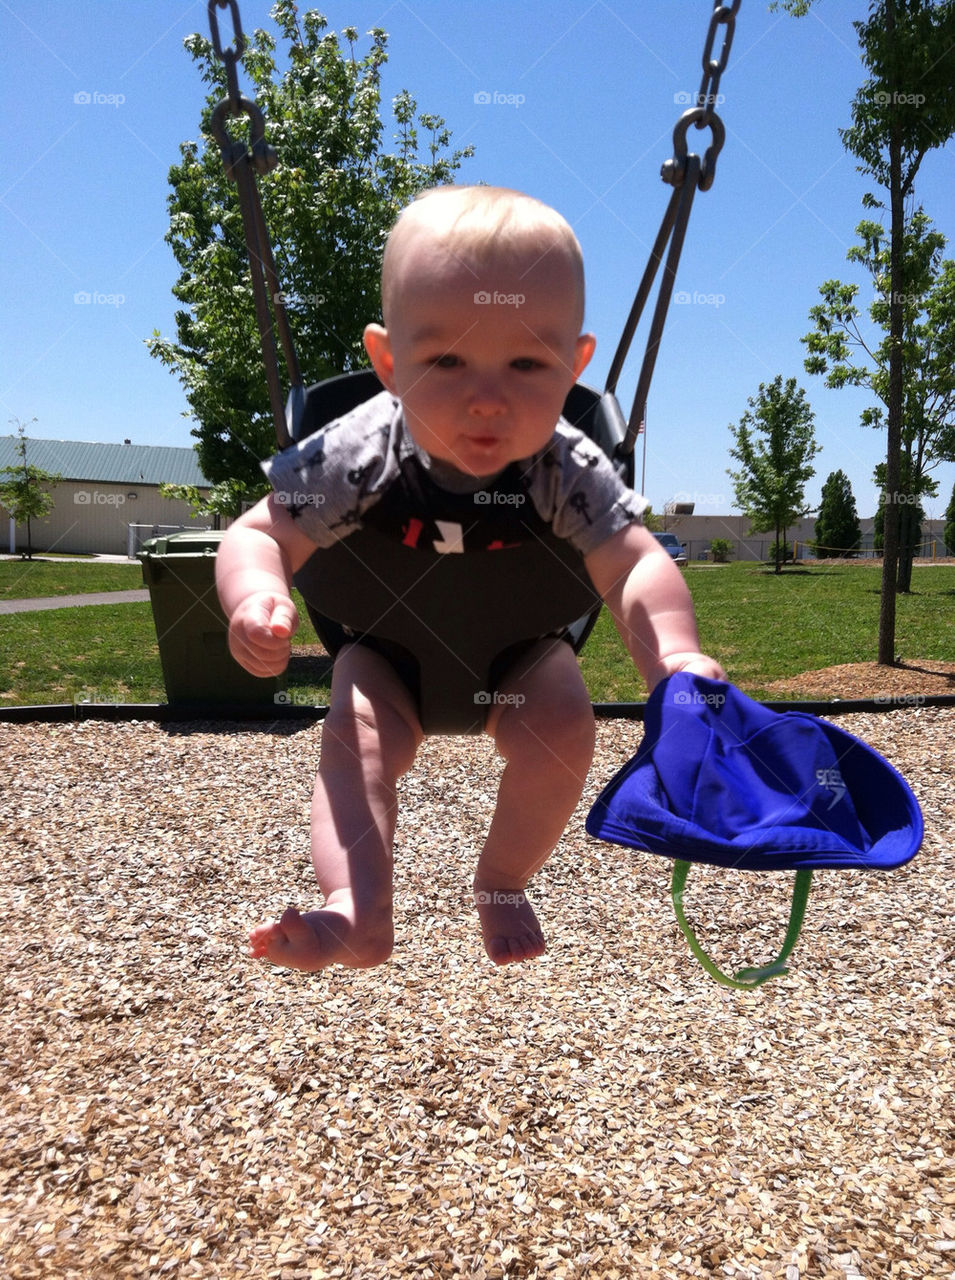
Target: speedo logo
[[831, 779]]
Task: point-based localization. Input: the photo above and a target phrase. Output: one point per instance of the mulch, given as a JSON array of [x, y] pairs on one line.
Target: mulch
[[170, 1108], [907, 683]]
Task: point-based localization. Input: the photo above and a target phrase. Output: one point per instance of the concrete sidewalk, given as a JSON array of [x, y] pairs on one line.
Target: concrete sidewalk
[[72, 602]]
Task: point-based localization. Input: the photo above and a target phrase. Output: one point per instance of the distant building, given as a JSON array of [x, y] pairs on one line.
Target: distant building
[[105, 488]]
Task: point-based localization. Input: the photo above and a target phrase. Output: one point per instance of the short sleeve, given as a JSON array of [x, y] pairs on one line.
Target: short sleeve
[[328, 481], [574, 487]]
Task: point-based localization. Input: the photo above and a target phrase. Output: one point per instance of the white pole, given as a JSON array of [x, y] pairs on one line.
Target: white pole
[[643, 470], [13, 536]]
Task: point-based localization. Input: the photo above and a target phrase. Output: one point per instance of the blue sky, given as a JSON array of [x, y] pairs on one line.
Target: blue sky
[[584, 98]]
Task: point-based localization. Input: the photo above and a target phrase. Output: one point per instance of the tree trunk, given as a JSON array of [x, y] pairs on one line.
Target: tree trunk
[[890, 533], [907, 526]]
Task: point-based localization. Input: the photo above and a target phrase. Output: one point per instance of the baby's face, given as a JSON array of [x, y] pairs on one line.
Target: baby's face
[[481, 358]]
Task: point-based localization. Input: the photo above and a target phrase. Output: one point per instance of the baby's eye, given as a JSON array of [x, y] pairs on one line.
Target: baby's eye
[[525, 363], [447, 361]]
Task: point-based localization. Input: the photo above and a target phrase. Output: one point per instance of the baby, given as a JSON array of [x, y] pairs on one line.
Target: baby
[[483, 302]]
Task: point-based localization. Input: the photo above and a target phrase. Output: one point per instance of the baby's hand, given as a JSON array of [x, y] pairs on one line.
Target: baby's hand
[[260, 632], [697, 664]]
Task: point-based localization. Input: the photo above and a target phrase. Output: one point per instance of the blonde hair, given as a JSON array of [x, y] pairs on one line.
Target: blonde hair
[[483, 223]]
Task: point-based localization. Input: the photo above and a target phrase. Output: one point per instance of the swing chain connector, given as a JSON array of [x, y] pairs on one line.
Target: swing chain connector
[[703, 115], [674, 171], [686, 173], [262, 157]]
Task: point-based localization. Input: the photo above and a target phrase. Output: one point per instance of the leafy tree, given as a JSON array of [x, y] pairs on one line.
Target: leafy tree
[[775, 444], [904, 110], [841, 348], [23, 494], [950, 525], [652, 521], [328, 205], [837, 526], [781, 553], [223, 499]]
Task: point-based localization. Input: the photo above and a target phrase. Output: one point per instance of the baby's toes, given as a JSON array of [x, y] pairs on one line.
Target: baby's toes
[[522, 946]]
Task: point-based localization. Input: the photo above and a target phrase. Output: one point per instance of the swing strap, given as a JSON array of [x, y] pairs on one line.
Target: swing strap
[[686, 173], [745, 979]]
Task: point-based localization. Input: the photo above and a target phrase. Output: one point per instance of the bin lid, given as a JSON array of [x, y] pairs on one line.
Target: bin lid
[[191, 542]]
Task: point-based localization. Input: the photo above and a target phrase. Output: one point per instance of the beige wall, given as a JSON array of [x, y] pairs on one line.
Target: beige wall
[[94, 517], [696, 532]]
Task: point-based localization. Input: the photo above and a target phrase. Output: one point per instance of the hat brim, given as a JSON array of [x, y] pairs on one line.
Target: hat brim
[[719, 779]]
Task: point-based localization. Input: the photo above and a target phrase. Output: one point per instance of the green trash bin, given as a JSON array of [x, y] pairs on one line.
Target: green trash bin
[[179, 570]]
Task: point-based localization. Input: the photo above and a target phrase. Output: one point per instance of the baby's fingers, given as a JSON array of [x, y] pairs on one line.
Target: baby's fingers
[[253, 640], [284, 620]]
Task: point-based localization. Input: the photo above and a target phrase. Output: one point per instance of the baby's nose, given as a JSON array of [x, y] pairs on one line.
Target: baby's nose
[[486, 397]]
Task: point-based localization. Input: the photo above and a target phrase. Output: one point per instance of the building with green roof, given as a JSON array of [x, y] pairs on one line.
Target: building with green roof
[[107, 500]]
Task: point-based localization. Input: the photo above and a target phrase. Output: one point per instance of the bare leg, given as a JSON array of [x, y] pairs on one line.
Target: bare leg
[[543, 726], [369, 738]]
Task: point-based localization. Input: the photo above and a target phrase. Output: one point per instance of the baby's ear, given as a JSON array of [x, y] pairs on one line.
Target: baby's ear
[[378, 346], [583, 350]]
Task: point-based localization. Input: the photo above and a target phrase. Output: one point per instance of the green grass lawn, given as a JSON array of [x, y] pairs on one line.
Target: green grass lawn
[[761, 627], [26, 579]]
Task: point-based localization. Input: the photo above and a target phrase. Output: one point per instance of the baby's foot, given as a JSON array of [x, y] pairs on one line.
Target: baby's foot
[[312, 941], [508, 925]]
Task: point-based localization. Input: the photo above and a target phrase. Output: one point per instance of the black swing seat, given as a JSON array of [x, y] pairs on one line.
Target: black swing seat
[[447, 619]]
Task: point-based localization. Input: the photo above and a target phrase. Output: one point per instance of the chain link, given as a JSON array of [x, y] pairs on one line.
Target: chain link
[[228, 57], [687, 174], [708, 94], [703, 115], [241, 163]]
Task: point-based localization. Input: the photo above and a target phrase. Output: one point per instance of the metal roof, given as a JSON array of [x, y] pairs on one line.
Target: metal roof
[[107, 463]]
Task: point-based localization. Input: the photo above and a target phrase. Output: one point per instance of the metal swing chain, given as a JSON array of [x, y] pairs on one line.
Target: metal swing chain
[[241, 162], [686, 173]]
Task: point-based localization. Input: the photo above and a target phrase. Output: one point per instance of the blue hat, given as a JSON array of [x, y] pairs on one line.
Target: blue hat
[[721, 779]]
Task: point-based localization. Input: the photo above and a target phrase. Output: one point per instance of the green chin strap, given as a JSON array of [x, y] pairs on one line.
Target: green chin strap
[[745, 979]]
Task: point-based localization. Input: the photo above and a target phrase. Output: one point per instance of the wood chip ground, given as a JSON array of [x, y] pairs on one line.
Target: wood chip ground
[[170, 1108]]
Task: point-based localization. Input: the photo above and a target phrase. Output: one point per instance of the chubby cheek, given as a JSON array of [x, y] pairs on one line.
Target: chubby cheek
[[429, 419], [423, 406]]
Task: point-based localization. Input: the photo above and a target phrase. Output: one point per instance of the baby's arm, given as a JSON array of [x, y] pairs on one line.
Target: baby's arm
[[254, 567], [650, 605]]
